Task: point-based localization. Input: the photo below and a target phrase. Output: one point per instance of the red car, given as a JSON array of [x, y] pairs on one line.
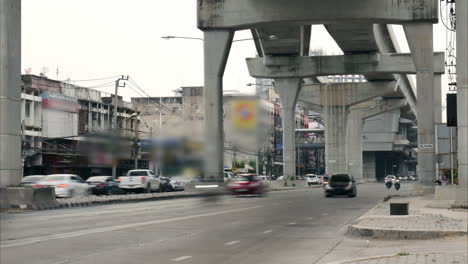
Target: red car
[[246, 184]]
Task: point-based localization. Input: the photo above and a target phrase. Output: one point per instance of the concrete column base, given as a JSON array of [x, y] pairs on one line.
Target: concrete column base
[[421, 190], [456, 194]]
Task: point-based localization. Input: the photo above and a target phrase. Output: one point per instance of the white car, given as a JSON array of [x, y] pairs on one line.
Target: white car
[[178, 182], [66, 185], [312, 179], [140, 181], [265, 180]]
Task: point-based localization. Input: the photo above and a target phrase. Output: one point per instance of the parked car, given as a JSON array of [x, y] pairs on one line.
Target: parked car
[[312, 179], [103, 185], [139, 181], [341, 184], [246, 184], [31, 180], [165, 183], [178, 182], [66, 185]]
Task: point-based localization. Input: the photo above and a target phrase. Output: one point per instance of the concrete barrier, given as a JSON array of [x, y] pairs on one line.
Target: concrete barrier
[[29, 198], [288, 183], [456, 195], [205, 187]]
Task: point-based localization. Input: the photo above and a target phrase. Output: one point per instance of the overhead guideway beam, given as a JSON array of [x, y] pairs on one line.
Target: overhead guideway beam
[[298, 66], [245, 14], [352, 93]]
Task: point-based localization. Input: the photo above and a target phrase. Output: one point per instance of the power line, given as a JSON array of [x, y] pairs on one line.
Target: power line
[[90, 80], [159, 104], [134, 89]]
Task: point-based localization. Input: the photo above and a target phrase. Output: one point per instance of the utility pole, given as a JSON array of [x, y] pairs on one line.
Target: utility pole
[[114, 120], [137, 147]]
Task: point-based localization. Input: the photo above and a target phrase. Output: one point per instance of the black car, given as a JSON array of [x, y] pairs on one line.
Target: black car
[[340, 184], [165, 184], [103, 185]]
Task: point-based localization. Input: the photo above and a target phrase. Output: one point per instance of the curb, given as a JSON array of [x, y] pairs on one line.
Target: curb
[[135, 198], [391, 234], [391, 256], [355, 230]]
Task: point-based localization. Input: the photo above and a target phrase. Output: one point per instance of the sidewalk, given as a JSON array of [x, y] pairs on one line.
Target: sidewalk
[[426, 235], [420, 258], [422, 222]]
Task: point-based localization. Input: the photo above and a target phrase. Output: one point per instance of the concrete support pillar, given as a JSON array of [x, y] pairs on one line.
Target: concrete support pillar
[[288, 90], [438, 98], [462, 90], [420, 40], [354, 146], [216, 52], [335, 120], [369, 166], [10, 92]]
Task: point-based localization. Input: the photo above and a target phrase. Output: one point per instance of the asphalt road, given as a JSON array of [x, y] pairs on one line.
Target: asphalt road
[[299, 226]]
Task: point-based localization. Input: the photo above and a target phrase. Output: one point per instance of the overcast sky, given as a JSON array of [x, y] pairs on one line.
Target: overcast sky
[[89, 39]]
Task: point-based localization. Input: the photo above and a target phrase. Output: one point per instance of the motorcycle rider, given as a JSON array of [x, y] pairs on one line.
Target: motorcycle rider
[[397, 183]]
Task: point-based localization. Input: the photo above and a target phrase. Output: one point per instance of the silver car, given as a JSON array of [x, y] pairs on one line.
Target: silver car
[[31, 180], [66, 185], [178, 182]]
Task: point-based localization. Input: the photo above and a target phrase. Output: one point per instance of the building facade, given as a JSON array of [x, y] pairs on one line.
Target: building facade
[[66, 129]]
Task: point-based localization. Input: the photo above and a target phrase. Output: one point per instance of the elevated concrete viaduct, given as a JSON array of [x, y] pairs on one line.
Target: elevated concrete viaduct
[[281, 30]]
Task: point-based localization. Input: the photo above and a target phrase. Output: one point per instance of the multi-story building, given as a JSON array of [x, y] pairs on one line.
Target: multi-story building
[[66, 129]]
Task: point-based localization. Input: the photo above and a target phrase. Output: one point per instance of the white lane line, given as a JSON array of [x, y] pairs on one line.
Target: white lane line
[[267, 231], [231, 243], [310, 218], [181, 258], [31, 240], [292, 223]]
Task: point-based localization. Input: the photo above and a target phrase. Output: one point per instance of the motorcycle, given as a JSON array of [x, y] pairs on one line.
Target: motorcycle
[[397, 185], [388, 184]]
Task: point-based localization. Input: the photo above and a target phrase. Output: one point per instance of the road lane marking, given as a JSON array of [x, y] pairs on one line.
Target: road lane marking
[[181, 258], [268, 231], [292, 223], [231, 243], [310, 218], [31, 240]]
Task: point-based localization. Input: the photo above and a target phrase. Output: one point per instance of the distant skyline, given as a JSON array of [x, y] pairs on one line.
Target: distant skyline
[[87, 39]]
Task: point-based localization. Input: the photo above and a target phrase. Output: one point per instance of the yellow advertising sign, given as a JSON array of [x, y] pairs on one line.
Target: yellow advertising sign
[[244, 114]]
